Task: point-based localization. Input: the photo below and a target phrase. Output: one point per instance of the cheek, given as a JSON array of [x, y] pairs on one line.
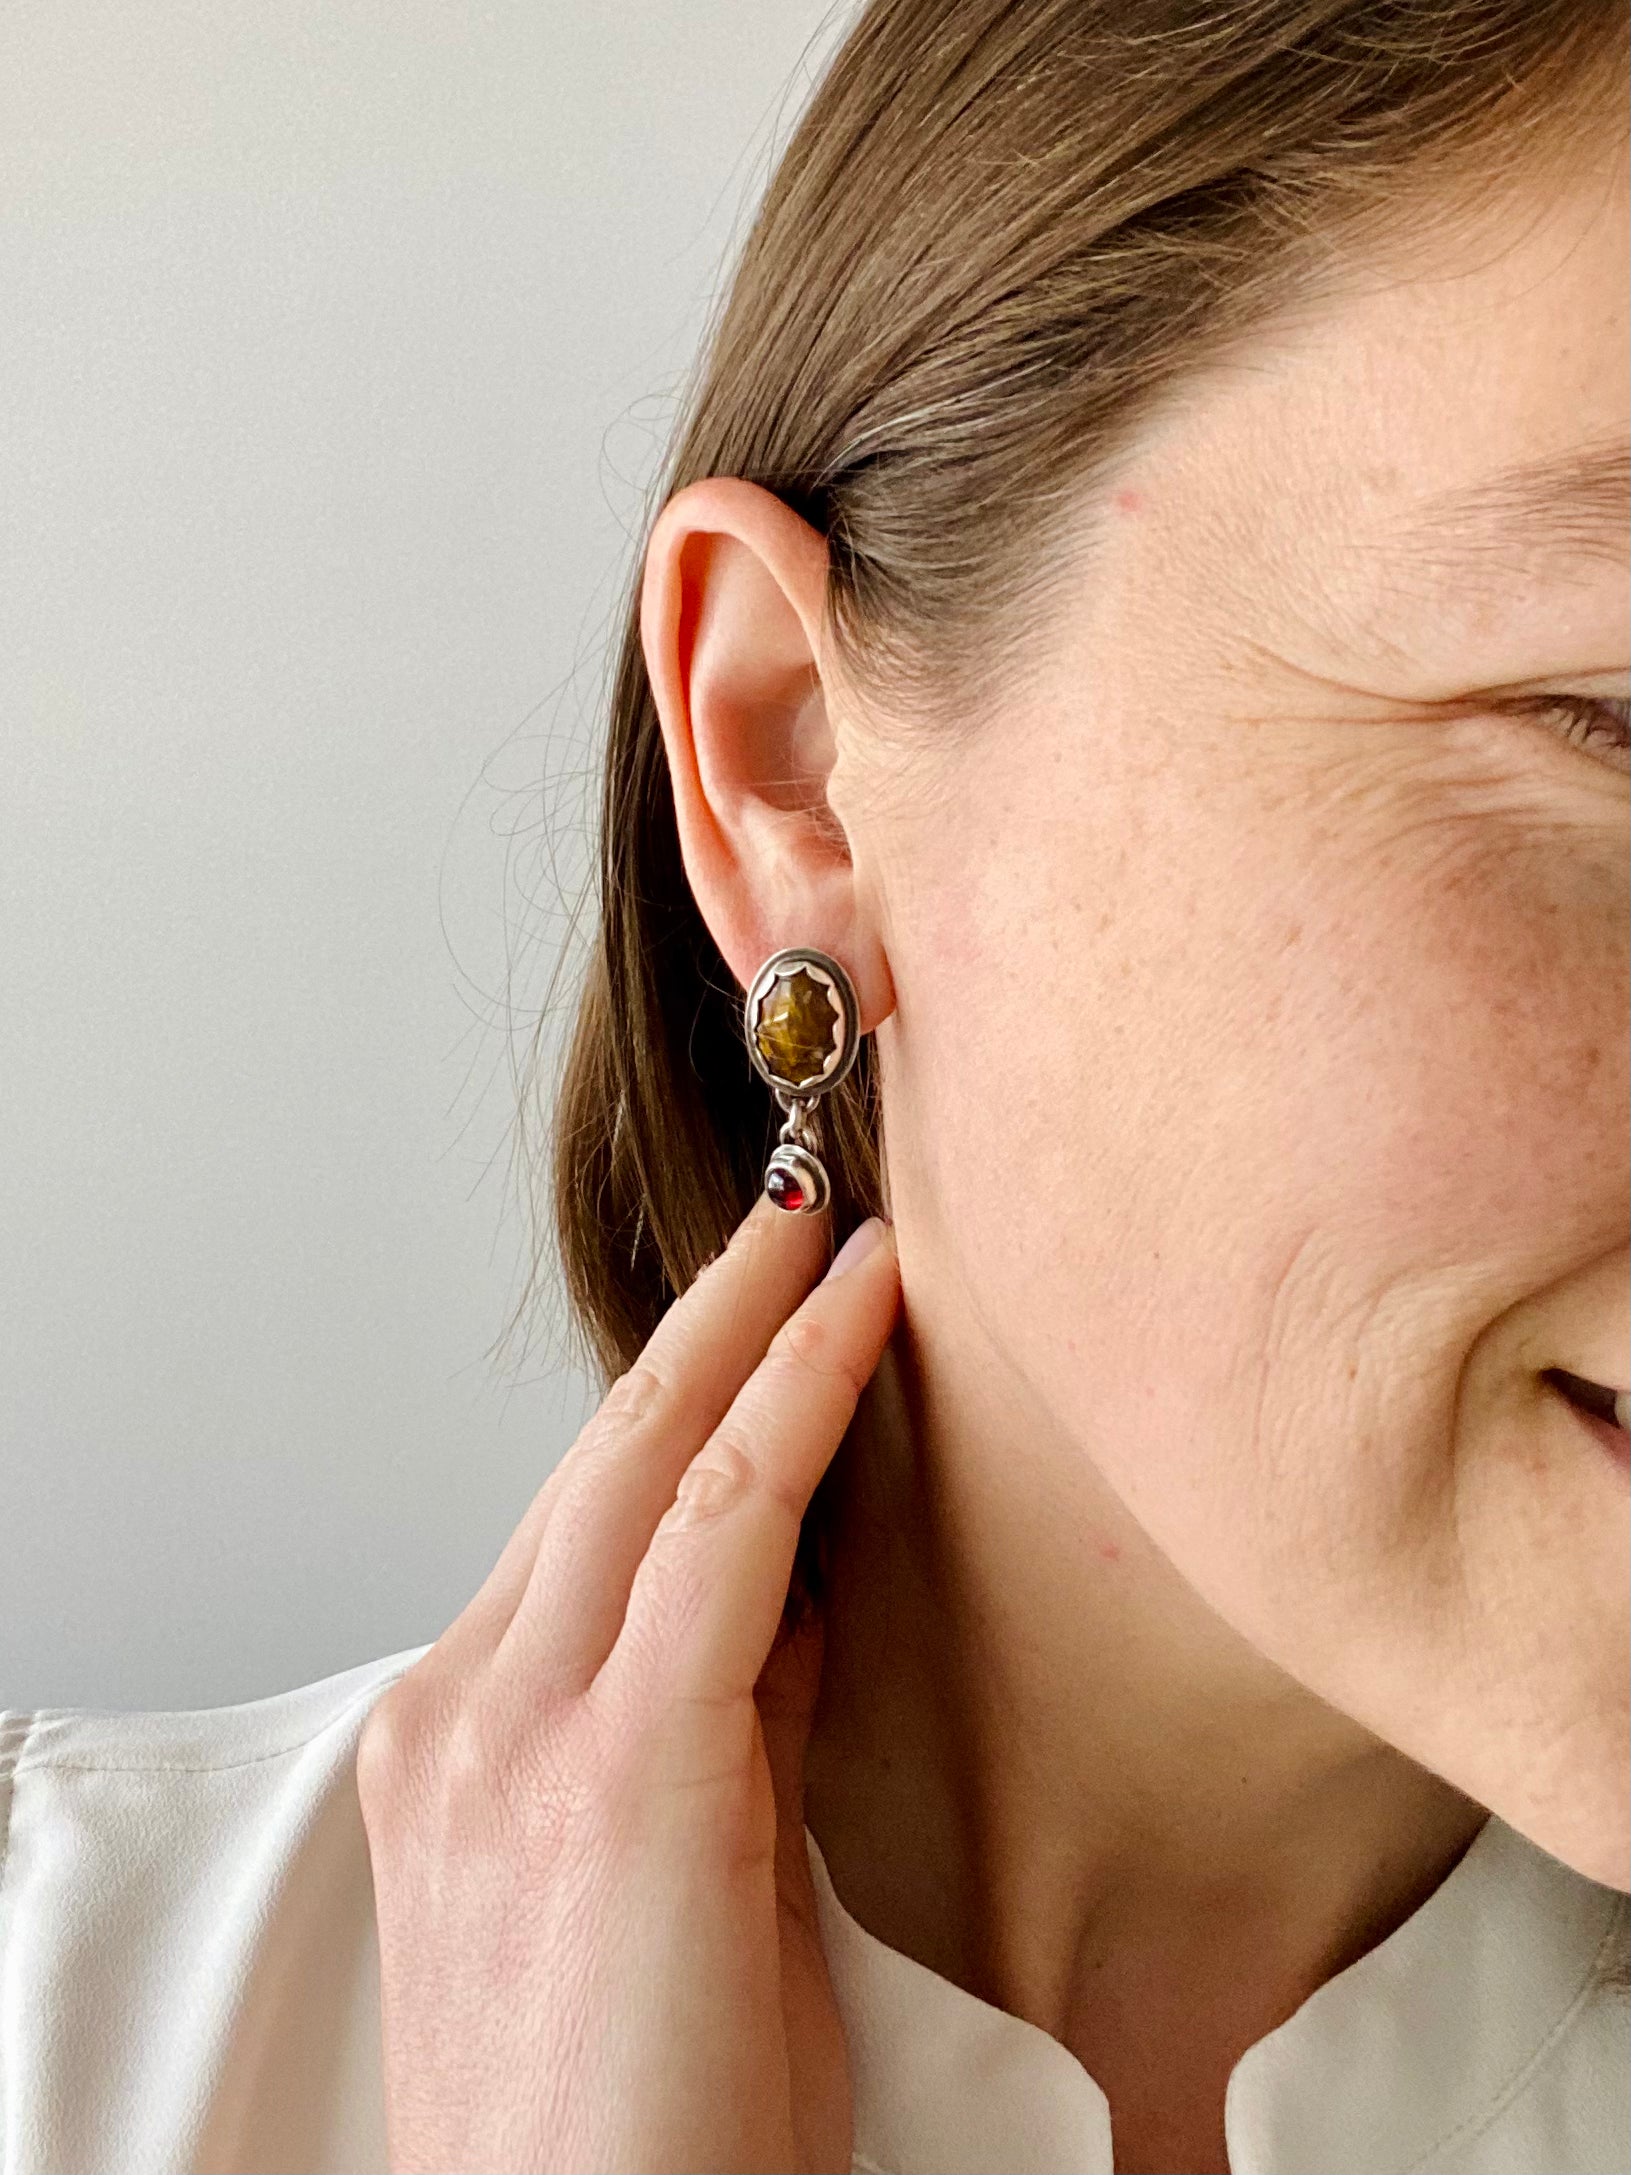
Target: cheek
[[1432, 1081], [1272, 1111]]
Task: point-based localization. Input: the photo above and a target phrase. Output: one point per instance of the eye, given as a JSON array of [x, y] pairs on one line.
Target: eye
[[1600, 725]]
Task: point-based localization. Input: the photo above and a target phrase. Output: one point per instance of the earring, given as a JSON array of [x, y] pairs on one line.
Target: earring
[[802, 1021]]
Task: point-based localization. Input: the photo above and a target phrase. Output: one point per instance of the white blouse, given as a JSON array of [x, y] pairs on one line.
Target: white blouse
[[189, 1980]]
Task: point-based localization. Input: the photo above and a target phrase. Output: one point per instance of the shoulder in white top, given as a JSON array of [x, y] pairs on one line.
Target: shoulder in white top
[[189, 1980]]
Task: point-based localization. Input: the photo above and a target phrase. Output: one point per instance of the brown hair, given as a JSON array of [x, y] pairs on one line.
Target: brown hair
[[1001, 232]]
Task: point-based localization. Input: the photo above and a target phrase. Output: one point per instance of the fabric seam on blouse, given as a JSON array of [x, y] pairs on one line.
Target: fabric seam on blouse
[[16, 1728], [1518, 2080], [49, 1762]]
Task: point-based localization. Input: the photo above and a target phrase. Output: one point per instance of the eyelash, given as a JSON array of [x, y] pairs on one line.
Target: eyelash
[[1584, 711]]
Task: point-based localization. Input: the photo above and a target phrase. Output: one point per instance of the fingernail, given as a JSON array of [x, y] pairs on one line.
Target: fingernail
[[856, 1247]]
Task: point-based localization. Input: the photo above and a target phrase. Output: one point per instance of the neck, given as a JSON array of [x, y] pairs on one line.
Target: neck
[[1041, 1765]]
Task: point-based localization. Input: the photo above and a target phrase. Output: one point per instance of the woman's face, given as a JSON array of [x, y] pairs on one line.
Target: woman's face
[[1292, 1145]]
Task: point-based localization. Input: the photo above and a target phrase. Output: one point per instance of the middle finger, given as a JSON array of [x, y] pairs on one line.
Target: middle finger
[[623, 1471]]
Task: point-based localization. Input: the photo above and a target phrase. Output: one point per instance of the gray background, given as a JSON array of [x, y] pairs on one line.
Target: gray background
[[338, 343]]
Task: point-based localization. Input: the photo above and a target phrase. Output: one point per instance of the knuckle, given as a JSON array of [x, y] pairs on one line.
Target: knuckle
[[473, 1758], [452, 1767], [638, 1393], [635, 1399], [463, 1770], [716, 1480], [807, 1345], [730, 1472], [390, 1747]]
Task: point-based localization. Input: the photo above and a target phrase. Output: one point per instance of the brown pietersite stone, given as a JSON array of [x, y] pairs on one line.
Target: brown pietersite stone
[[797, 1027]]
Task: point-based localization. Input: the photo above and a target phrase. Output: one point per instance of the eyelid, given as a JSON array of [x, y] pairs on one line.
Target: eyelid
[[1609, 684], [1580, 710]]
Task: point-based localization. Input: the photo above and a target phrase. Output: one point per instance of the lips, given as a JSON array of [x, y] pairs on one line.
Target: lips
[[1603, 1409]]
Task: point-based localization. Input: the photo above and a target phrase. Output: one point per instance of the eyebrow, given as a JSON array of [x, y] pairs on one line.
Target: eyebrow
[[1566, 507]]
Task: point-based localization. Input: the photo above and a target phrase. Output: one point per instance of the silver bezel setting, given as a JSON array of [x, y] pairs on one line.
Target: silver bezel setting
[[822, 968], [811, 1174]]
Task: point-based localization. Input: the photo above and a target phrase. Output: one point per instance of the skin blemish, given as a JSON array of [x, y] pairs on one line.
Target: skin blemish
[[1110, 1551], [1129, 501]]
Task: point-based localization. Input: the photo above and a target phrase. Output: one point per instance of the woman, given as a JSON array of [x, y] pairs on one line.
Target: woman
[[1131, 1675]]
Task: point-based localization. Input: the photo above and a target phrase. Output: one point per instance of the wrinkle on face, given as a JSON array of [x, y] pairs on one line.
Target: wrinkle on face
[[1256, 1129]]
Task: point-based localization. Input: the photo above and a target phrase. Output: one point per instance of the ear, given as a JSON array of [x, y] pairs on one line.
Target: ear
[[731, 611]]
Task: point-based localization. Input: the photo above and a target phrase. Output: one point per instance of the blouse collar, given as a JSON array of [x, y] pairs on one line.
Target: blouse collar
[[1421, 2041]]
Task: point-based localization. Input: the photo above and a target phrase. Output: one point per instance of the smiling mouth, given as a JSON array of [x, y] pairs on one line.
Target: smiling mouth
[[1604, 1410]]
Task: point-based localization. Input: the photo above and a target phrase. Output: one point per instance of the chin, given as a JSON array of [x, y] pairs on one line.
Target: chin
[[1607, 1862], [1591, 1833]]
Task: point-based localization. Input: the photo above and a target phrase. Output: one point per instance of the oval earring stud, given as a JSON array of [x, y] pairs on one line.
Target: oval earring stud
[[802, 1022]]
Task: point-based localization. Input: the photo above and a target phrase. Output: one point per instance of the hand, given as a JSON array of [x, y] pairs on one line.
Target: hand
[[584, 1804]]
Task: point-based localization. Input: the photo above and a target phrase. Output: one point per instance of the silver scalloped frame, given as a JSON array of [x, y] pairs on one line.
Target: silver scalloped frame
[[825, 969], [808, 1171]]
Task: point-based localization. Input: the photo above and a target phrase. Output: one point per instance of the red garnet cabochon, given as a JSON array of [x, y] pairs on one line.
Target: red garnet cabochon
[[785, 1190]]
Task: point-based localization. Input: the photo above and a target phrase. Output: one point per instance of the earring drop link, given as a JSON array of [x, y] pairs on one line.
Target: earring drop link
[[801, 1020]]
